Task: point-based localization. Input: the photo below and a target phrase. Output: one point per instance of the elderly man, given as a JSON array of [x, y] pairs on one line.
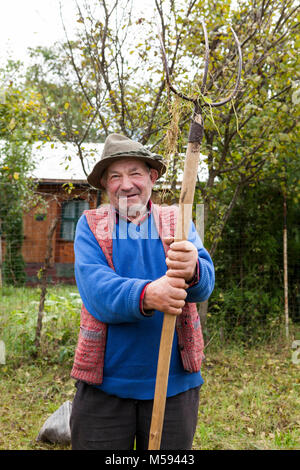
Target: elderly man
[[128, 271]]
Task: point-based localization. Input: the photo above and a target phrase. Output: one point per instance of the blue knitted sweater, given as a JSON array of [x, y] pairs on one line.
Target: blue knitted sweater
[[113, 297]]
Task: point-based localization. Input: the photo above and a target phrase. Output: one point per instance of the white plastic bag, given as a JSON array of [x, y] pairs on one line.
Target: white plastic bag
[[2, 352], [56, 428]]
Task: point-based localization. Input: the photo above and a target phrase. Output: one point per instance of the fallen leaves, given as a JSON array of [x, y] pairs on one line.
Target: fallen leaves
[[253, 400]]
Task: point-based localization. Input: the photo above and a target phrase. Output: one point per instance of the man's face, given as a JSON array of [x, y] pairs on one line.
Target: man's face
[[129, 183]]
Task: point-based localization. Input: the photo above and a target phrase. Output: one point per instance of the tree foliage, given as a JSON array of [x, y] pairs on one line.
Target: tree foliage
[[17, 134], [112, 74], [110, 78], [16, 190], [248, 301]]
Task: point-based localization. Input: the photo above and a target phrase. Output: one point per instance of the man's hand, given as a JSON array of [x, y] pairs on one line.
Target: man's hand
[[166, 294], [181, 260]]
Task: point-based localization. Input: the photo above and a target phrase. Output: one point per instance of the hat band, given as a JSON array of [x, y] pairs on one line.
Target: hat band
[[134, 153]]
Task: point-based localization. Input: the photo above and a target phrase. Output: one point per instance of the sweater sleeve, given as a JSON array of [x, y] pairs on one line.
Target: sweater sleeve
[[107, 296], [202, 289]]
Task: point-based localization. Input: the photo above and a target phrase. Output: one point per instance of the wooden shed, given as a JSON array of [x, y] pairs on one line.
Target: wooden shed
[[68, 209], [59, 168], [65, 194]]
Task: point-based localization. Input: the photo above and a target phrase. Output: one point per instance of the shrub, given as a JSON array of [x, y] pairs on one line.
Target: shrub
[[60, 323], [242, 315]]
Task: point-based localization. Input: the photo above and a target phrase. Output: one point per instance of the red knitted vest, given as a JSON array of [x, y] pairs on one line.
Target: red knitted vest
[[90, 350]]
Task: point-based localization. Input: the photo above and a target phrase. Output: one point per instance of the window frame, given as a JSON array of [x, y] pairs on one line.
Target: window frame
[[77, 215]]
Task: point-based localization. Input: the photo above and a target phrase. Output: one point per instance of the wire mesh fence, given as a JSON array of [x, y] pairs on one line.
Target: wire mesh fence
[[248, 262]]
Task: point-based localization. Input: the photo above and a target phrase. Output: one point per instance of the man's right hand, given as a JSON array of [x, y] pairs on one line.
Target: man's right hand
[[166, 294]]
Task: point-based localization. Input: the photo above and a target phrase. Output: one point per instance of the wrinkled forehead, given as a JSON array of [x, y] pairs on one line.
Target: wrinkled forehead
[[128, 164]]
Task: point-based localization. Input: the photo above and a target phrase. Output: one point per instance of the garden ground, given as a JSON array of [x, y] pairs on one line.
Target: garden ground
[[250, 399]]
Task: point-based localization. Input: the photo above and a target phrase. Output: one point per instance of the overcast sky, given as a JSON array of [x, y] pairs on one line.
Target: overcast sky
[[31, 23]]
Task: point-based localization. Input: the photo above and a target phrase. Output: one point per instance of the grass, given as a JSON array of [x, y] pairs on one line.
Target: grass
[[250, 399], [29, 395]]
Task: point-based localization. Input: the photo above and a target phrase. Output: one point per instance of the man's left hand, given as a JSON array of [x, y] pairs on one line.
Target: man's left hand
[[181, 260]]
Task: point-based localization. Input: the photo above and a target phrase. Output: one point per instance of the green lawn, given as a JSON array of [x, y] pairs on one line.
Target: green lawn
[[250, 399]]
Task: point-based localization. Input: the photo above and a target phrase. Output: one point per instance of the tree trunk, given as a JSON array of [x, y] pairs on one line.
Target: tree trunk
[[43, 276], [225, 218]]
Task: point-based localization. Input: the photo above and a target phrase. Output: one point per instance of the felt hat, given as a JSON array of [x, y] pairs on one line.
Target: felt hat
[[117, 147]]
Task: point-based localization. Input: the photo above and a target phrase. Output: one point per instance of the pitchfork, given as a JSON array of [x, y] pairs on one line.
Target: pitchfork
[[182, 228]]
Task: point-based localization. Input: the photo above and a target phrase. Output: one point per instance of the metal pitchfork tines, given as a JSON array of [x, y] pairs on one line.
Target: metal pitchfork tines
[[182, 229], [196, 101]]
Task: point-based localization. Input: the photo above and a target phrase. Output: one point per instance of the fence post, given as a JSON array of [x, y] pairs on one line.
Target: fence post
[[1, 260], [285, 268]]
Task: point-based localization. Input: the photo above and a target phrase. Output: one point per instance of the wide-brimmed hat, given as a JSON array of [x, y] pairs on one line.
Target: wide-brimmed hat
[[118, 146]]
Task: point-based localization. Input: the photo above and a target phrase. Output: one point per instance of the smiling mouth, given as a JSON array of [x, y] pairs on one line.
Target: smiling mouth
[[129, 196]]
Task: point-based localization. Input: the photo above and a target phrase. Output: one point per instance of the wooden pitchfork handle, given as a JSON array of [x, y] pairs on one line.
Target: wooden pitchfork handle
[[182, 230], [181, 233]]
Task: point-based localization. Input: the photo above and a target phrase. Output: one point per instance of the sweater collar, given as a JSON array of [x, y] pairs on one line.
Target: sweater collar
[[145, 216]]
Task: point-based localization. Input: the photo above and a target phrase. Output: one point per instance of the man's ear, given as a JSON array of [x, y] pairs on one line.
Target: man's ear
[[153, 175]]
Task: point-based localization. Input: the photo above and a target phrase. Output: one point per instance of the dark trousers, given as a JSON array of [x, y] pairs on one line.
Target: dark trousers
[[106, 422]]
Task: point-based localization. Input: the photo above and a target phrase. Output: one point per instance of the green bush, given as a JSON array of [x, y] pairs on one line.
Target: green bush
[[60, 323], [247, 316], [14, 266], [247, 304]]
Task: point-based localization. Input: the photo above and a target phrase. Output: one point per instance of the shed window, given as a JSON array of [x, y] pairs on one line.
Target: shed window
[[71, 212]]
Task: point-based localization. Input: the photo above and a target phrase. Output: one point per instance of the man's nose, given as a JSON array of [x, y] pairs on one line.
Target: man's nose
[[126, 183]]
